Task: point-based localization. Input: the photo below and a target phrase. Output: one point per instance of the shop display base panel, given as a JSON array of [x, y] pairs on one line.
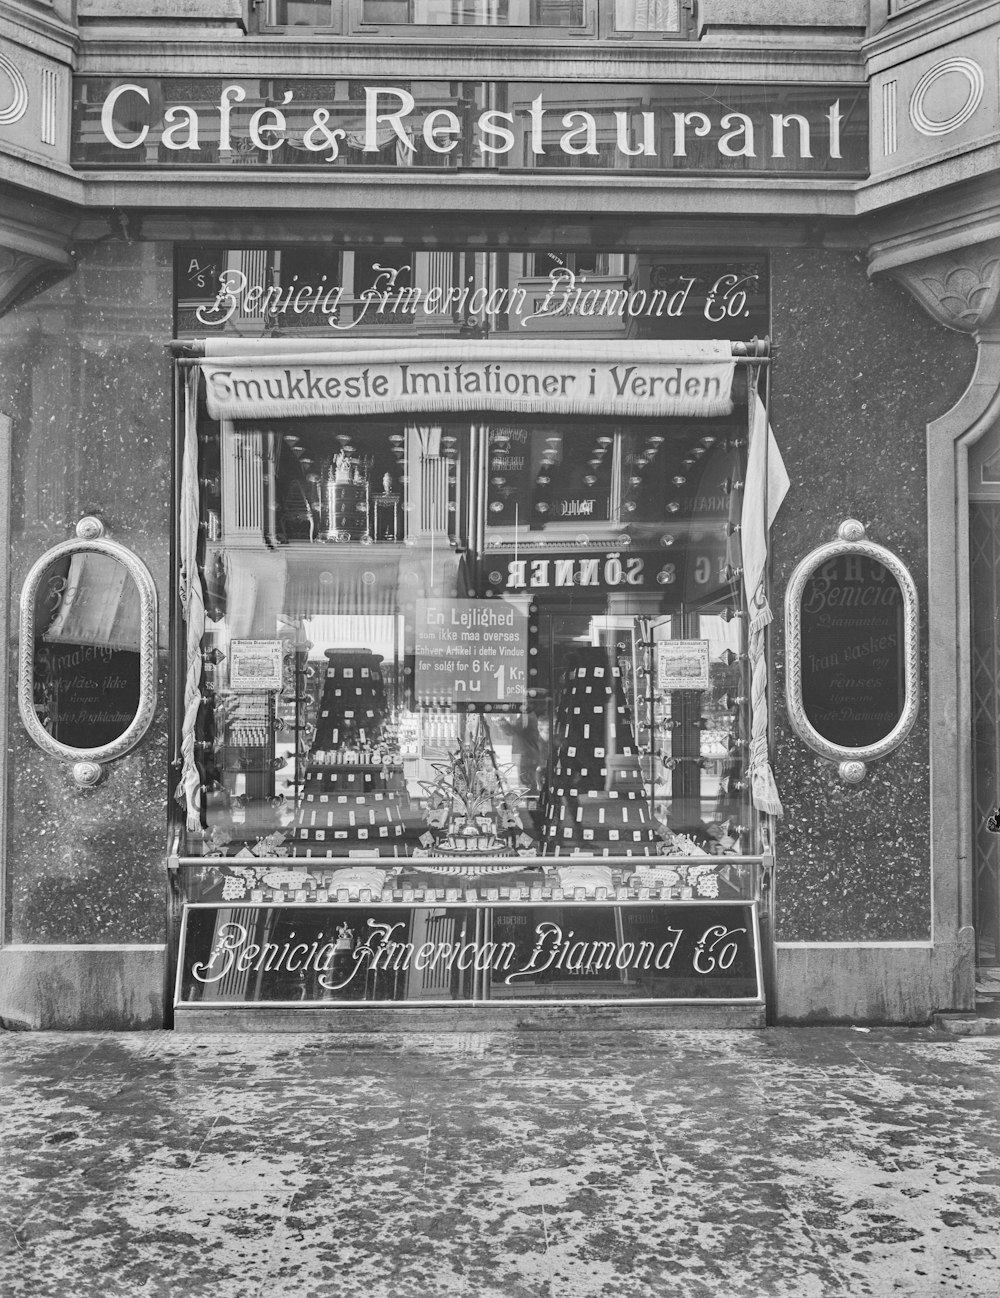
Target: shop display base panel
[[338, 955]]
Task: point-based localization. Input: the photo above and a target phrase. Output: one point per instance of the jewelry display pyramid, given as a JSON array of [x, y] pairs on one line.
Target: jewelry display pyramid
[[354, 797], [595, 802]]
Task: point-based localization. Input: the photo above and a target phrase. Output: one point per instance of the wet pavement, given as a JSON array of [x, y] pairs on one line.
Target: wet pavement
[[790, 1162]]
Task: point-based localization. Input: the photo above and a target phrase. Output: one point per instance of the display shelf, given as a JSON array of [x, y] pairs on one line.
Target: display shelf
[[468, 881]]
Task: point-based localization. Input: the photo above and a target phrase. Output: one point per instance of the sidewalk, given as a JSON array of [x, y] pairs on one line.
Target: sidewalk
[[789, 1162]]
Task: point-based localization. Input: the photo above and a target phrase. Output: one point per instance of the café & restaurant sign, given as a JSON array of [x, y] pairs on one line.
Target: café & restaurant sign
[[142, 121]]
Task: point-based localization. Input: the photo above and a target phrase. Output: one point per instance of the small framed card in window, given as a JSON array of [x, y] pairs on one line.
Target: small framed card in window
[[255, 664], [682, 665]]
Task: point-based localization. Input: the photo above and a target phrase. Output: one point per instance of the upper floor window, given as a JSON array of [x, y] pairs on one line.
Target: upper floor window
[[582, 17], [475, 13], [300, 13], [648, 16]]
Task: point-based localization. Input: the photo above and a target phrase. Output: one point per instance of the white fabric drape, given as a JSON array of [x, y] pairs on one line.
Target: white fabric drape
[[288, 378], [647, 16], [764, 489], [255, 593], [192, 604]]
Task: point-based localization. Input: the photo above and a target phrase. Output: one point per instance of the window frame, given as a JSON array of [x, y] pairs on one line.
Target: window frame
[[346, 19]]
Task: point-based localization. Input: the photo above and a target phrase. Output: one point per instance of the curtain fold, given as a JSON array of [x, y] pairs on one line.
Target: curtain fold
[[192, 601], [647, 16], [764, 489]]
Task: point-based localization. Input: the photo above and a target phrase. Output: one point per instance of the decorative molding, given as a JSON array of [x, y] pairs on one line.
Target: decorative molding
[[87, 774], [966, 68], [227, 11], [14, 110], [959, 289], [889, 136], [50, 105], [90, 538]]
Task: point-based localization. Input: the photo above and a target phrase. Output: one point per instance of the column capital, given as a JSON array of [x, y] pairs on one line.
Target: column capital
[[960, 289], [35, 247], [950, 261]]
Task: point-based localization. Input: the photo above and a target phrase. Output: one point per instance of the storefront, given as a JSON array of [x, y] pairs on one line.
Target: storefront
[[472, 684], [502, 588]]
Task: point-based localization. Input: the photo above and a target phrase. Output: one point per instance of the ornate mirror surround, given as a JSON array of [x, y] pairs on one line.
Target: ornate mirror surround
[[98, 625], [852, 545]]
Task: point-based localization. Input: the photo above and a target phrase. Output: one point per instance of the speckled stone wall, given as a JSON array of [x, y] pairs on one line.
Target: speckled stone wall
[[860, 372], [86, 380]]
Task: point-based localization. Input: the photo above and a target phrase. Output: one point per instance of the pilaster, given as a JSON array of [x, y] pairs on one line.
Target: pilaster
[[959, 287]]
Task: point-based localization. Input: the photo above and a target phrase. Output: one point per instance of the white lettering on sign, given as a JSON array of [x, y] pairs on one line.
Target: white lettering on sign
[[387, 950], [469, 646], [568, 295], [650, 387], [540, 574], [391, 113]]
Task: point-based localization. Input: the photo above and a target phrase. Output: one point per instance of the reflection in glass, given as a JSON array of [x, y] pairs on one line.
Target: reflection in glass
[[853, 654], [331, 953], [476, 13], [86, 649], [300, 13], [647, 16], [407, 656]]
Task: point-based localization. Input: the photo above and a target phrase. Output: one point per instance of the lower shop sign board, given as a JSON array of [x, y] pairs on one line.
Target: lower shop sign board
[[397, 954]]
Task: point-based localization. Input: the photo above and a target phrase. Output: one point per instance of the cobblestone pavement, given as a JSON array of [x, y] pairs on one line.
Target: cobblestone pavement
[[790, 1162]]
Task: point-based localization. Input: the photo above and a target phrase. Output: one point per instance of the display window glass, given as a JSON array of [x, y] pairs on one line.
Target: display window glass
[[473, 635]]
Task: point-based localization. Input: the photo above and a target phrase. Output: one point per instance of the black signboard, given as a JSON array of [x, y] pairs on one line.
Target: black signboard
[[736, 128], [852, 651], [671, 951]]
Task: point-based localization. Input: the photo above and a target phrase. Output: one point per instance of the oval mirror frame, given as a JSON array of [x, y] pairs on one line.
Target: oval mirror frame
[[87, 761], [851, 541]]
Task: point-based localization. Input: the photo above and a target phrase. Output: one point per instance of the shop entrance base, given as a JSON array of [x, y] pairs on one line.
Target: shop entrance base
[[507, 1018]]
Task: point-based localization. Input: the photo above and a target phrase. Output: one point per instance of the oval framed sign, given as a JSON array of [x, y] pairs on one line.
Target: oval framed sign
[[851, 632]]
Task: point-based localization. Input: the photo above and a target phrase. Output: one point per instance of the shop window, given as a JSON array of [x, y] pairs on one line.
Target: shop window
[[301, 13], [351, 562], [466, 674]]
